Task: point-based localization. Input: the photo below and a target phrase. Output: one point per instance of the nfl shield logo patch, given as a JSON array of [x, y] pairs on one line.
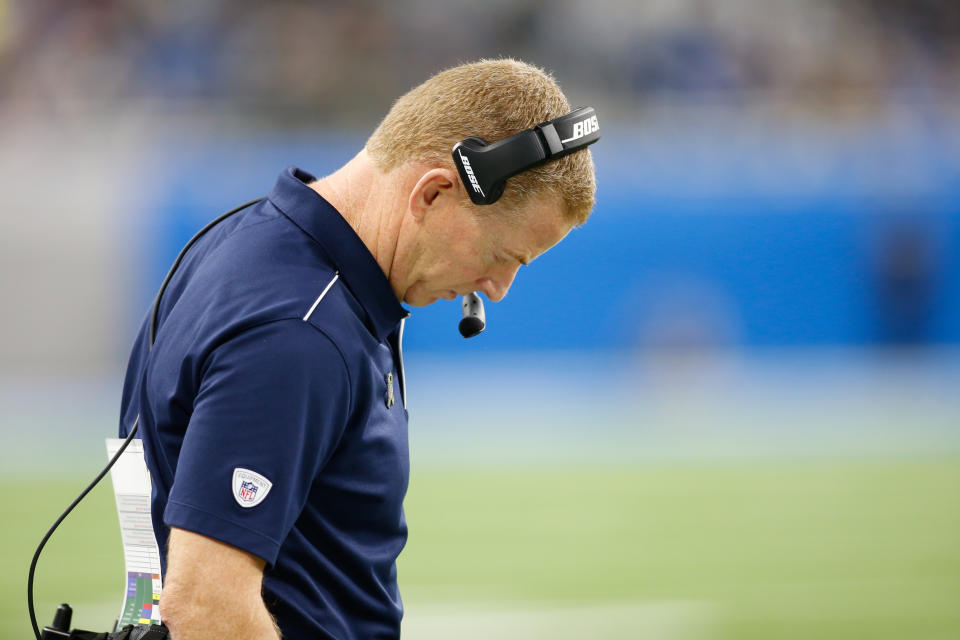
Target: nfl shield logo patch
[[248, 491], [249, 487]]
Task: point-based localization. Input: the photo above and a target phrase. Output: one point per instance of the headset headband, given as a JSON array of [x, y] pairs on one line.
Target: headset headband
[[484, 167]]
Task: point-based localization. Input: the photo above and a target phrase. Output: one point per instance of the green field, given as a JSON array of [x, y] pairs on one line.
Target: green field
[[760, 550]]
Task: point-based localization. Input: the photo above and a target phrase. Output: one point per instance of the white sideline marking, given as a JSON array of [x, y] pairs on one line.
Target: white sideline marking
[[671, 620]]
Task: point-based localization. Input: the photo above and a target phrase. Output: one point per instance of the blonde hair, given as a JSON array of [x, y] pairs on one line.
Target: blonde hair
[[490, 99]]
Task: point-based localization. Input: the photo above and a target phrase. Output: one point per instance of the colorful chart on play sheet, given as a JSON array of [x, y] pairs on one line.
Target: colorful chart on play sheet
[[142, 600], [131, 488]]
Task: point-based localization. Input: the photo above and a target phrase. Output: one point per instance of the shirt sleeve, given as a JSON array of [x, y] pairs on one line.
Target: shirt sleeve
[[272, 405]]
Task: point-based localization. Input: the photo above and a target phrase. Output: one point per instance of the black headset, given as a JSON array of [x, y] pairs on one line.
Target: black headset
[[485, 167]]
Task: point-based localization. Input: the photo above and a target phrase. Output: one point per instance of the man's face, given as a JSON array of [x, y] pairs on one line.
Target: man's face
[[480, 249]]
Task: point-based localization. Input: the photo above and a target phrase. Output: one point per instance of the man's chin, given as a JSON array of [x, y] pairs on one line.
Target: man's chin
[[420, 300], [426, 299]]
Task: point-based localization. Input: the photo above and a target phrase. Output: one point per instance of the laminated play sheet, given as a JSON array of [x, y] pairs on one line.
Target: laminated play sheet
[[131, 488]]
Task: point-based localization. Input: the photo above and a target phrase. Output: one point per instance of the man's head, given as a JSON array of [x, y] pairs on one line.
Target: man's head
[[439, 243], [490, 99]]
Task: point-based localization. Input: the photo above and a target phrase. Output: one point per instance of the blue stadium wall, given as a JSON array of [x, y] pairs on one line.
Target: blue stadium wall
[[701, 237]]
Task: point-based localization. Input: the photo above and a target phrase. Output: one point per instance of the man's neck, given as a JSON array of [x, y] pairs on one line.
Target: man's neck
[[367, 202]]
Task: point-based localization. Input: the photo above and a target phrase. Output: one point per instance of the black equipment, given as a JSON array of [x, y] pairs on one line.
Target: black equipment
[[474, 320], [484, 167], [60, 630]]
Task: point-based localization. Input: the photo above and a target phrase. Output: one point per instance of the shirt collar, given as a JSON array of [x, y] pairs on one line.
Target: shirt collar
[[358, 268]]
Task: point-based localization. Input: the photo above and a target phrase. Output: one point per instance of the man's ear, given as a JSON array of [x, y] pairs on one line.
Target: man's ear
[[436, 188]]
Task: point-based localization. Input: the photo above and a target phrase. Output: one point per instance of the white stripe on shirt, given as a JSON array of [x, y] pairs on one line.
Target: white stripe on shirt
[[320, 297]]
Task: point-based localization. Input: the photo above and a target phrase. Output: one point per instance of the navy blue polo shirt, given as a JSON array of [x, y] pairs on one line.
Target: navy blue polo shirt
[[272, 415]]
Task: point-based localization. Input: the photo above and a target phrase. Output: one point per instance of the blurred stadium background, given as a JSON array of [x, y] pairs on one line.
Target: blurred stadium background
[[727, 407]]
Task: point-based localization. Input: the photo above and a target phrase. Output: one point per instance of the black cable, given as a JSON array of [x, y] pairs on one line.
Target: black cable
[[136, 423], [43, 542], [176, 263]]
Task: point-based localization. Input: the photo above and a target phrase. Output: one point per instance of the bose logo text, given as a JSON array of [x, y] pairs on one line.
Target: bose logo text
[[583, 128], [469, 170]]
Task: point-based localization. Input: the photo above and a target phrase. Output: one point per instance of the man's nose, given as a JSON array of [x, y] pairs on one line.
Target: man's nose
[[496, 285]]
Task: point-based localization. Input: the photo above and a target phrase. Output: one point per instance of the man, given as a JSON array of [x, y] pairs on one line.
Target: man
[[272, 403]]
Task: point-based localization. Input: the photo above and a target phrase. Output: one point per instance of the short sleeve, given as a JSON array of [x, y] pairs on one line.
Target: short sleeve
[[273, 403]]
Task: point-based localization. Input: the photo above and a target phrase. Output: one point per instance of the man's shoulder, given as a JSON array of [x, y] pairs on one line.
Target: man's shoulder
[[263, 270]]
